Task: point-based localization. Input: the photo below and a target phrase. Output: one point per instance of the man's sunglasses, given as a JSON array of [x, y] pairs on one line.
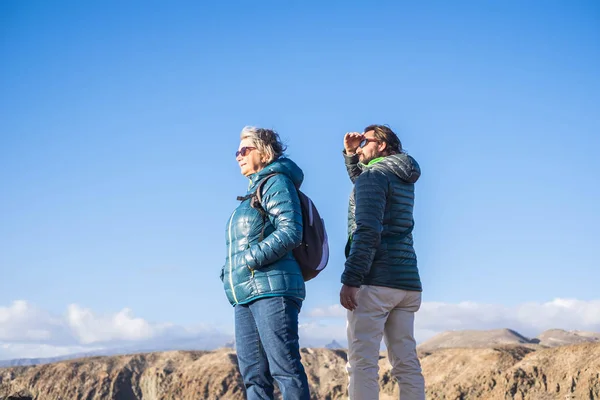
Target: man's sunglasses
[[243, 151], [366, 141]]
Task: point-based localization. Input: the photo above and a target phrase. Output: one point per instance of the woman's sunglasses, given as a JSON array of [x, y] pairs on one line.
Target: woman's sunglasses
[[243, 151], [366, 141]]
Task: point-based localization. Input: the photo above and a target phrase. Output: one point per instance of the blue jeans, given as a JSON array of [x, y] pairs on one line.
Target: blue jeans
[[266, 336]]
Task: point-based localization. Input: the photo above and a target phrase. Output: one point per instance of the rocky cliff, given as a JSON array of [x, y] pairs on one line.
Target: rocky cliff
[[503, 372]]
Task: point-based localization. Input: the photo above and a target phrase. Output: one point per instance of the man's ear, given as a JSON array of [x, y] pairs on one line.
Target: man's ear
[[382, 147]]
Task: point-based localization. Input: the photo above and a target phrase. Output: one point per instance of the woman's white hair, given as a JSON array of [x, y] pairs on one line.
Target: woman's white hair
[[266, 141]]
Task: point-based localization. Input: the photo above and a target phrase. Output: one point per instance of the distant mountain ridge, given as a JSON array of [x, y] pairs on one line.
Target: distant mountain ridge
[[474, 339], [449, 339], [506, 337], [209, 342], [559, 337], [334, 345]]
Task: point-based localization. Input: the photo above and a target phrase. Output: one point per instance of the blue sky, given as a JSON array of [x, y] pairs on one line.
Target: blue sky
[[118, 124]]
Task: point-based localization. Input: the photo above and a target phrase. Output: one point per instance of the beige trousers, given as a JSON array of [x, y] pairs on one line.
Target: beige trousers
[[388, 313]]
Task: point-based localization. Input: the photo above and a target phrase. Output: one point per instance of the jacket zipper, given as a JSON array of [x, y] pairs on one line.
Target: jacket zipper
[[230, 261]]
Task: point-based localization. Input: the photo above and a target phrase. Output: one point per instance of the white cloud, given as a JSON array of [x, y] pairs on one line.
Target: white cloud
[[29, 332], [529, 319], [90, 328], [22, 322], [39, 350], [334, 311]]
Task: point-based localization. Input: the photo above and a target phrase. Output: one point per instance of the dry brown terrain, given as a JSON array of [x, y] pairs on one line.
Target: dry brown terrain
[[504, 372]]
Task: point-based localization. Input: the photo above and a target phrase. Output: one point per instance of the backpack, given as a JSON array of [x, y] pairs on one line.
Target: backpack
[[313, 253]]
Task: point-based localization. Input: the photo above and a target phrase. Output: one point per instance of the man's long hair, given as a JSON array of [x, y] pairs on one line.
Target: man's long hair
[[385, 134]]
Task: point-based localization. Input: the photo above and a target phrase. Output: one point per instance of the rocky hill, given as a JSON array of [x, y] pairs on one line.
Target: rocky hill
[[559, 337], [502, 372], [475, 339]]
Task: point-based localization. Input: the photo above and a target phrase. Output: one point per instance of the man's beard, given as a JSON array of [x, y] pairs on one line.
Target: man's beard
[[364, 160]]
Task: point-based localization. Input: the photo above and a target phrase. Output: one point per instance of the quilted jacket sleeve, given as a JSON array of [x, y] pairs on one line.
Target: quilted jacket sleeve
[[281, 202], [371, 190], [352, 166]]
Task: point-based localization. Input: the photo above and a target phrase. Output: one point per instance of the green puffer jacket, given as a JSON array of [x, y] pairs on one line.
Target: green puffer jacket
[[380, 220], [267, 268]]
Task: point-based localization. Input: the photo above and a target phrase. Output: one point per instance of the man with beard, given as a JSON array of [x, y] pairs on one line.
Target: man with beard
[[381, 287]]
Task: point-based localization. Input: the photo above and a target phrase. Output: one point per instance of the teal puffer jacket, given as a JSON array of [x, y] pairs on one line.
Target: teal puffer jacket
[[267, 268], [380, 250]]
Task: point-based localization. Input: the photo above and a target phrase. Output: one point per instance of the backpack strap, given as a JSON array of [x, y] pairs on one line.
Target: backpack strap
[[256, 203], [258, 191]]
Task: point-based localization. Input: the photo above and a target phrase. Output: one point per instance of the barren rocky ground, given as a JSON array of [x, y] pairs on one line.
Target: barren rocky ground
[[501, 372]]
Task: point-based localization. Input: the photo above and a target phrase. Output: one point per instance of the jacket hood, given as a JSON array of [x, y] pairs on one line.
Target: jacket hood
[[283, 166], [401, 164]]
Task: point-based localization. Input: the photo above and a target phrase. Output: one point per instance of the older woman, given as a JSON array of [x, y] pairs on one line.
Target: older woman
[[261, 277]]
